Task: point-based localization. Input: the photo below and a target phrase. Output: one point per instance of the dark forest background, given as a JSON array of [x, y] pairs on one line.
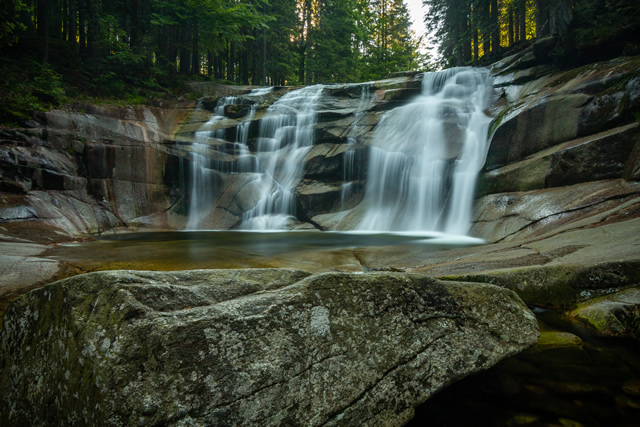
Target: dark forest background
[[135, 51]]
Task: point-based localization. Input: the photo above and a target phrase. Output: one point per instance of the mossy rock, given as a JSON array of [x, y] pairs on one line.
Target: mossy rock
[[235, 111], [554, 347], [555, 339], [561, 286], [617, 314], [248, 347]]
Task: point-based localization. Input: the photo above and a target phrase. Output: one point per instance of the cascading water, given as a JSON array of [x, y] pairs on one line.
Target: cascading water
[[351, 169], [423, 158], [285, 138], [426, 155], [204, 168]]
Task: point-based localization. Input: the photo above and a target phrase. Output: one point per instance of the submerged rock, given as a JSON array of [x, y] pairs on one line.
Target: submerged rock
[[268, 347]]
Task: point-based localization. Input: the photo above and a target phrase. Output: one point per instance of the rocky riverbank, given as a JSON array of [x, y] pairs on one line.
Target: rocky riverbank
[[558, 203]]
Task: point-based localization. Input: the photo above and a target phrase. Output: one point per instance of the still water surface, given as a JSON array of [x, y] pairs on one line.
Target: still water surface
[[308, 250]]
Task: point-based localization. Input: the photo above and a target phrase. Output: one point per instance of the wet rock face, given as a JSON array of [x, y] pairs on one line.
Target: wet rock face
[[560, 139], [269, 347], [92, 169], [555, 107], [515, 216]]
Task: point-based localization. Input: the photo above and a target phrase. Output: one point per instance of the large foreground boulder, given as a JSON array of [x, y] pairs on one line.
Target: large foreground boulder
[[239, 347]]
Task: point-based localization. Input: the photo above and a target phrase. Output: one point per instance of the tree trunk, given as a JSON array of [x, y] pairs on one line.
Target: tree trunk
[[560, 16], [82, 25], [173, 57], [42, 17], [510, 29], [522, 6], [55, 17], [71, 23], [485, 26], [217, 66], [264, 56], [515, 22], [466, 34], [195, 53], [244, 63], [231, 62], [476, 47], [185, 59], [301, 64], [304, 36], [135, 40], [64, 19], [495, 26], [171, 50], [542, 18], [209, 63], [255, 61], [93, 28]]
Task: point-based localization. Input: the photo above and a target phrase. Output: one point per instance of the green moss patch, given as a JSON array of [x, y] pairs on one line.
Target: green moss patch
[[563, 285]]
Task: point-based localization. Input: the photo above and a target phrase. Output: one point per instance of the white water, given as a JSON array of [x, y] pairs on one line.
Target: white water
[[351, 170], [285, 138], [204, 169], [426, 156], [423, 160]]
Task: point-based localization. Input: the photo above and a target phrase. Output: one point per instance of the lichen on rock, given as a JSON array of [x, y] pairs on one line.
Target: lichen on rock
[[268, 347]]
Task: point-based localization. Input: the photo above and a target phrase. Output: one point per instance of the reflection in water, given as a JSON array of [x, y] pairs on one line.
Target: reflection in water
[[309, 250]]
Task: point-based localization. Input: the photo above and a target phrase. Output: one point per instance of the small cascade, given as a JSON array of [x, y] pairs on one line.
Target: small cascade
[[202, 170], [202, 178], [209, 145], [426, 155], [351, 170], [285, 138], [242, 131]]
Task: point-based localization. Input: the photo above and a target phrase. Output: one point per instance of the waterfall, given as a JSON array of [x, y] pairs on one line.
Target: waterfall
[[423, 158], [284, 140], [209, 142], [426, 155], [351, 170]]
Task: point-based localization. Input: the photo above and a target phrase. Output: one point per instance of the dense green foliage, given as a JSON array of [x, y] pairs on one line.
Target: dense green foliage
[[469, 31], [139, 50], [143, 48]]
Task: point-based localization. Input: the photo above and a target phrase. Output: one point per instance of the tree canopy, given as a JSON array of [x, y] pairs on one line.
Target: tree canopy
[[136, 50], [248, 41], [131, 49], [467, 31]]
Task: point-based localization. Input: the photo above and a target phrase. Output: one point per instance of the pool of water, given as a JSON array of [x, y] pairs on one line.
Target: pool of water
[[596, 383], [308, 250]]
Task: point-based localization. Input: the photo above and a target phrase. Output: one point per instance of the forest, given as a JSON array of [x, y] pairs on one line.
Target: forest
[[137, 50], [481, 31]]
